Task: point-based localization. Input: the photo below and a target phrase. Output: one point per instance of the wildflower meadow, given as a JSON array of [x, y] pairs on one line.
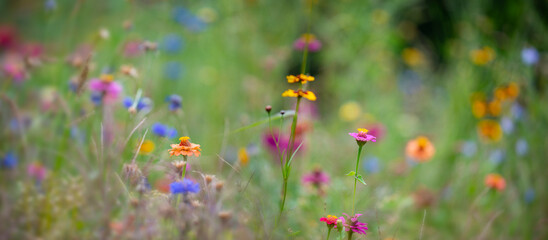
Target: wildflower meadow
[[261, 119]]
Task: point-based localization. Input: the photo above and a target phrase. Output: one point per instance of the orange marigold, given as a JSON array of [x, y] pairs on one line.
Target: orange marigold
[[495, 181], [300, 93], [185, 148], [420, 149]]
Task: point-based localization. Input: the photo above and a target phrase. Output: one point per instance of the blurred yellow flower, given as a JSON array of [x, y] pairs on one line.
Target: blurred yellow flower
[[380, 16], [490, 130], [300, 93], [482, 56], [495, 108], [147, 147], [479, 108], [350, 111], [512, 91], [412, 57], [299, 78], [243, 157]]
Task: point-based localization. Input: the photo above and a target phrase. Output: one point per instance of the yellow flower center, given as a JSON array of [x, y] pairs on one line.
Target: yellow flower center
[[422, 142], [184, 141], [107, 78]]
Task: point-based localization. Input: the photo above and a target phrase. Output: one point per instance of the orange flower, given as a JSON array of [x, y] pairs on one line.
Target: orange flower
[[490, 130], [300, 93], [479, 108], [420, 149], [512, 91], [299, 78], [185, 148], [482, 56], [495, 108], [495, 181]]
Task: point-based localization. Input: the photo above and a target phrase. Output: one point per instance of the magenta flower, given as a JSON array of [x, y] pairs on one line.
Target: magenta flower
[[269, 141], [362, 137], [317, 177], [354, 225], [314, 44], [37, 171], [108, 89], [13, 66]]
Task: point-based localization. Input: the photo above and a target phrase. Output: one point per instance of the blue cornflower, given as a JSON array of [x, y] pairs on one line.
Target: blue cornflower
[[173, 70], [163, 130], [50, 5], [142, 104], [96, 98], [522, 147], [175, 101], [189, 20], [9, 161], [529, 56], [469, 148], [529, 195], [371, 164], [184, 187], [496, 156], [172, 43]]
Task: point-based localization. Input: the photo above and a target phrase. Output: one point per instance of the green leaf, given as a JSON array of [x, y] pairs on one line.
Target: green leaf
[[351, 173], [360, 179]]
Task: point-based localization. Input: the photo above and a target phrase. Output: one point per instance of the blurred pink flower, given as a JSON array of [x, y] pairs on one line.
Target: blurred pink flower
[[14, 67], [314, 44], [109, 89], [354, 225], [133, 49], [317, 177], [270, 139], [37, 171]]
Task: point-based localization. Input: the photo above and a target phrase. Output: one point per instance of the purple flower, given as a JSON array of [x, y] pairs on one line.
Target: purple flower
[[37, 171], [317, 177], [355, 225], [106, 88], [314, 44], [9, 161], [184, 187], [142, 104], [269, 141], [529, 56], [175, 102]]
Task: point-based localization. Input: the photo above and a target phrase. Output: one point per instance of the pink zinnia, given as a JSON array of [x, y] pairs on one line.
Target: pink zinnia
[[354, 225], [331, 220], [362, 137], [37, 171], [317, 177], [270, 139], [109, 89], [314, 44]]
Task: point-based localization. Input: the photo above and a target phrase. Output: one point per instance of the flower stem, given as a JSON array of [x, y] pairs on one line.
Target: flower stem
[[350, 235], [184, 168], [328, 233], [356, 180]]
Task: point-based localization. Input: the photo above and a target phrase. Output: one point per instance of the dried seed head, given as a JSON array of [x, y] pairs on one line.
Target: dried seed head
[[209, 179], [179, 166], [225, 216], [150, 46], [282, 112], [219, 186], [268, 108], [132, 172], [134, 202]]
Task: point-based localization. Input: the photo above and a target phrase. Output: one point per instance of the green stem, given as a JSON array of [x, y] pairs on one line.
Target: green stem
[[184, 168], [350, 235], [356, 180], [328, 233]]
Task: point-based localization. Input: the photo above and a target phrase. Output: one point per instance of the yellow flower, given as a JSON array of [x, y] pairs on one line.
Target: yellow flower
[[147, 147], [350, 111], [299, 78], [412, 57], [482, 56], [243, 156], [300, 93], [106, 77], [495, 108], [490, 130], [512, 91], [479, 108]]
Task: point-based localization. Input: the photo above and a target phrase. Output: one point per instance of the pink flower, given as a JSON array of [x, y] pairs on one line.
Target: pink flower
[[37, 171], [314, 44], [354, 225], [362, 137], [317, 177], [133, 49], [109, 89], [269, 141], [14, 67], [331, 220]]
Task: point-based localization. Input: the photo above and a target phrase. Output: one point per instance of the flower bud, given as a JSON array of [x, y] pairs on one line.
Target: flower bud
[[268, 108]]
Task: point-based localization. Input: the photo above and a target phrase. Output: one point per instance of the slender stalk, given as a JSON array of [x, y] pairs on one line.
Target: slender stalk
[[328, 233], [356, 180], [184, 168], [350, 235]]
